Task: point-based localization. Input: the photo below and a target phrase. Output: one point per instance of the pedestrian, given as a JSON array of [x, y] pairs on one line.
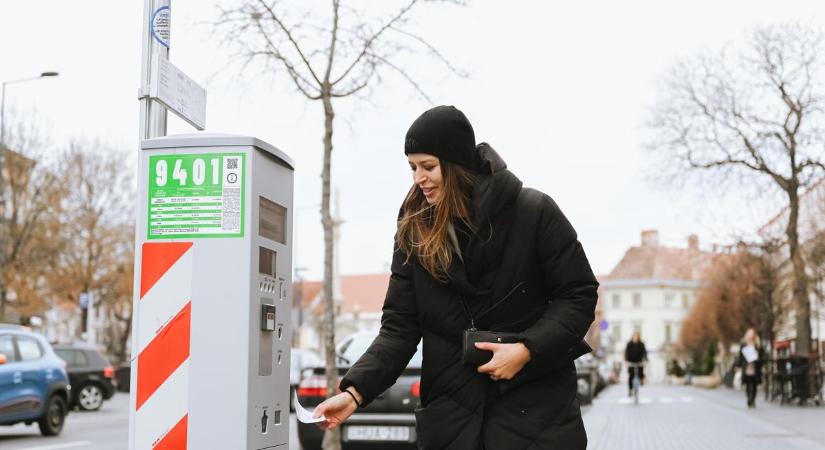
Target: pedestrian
[[635, 353], [474, 250], [750, 362]]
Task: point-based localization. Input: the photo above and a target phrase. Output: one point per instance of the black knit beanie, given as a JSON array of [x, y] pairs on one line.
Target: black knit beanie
[[443, 131]]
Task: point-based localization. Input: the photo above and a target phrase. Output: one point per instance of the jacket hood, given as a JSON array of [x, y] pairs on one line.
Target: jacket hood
[[496, 188]]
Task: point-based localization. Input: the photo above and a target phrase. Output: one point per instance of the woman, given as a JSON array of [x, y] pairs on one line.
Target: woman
[[750, 360], [635, 353], [471, 239]]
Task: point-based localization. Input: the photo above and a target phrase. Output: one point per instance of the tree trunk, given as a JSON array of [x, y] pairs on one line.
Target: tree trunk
[[124, 340], [332, 440], [801, 296], [2, 304]]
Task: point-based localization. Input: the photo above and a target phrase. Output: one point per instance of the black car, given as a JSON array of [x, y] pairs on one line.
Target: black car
[[90, 375], [387, 422]]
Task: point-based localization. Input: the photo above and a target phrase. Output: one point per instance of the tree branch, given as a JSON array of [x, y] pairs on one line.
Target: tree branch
[[291, 39], [333, 41], [369, 41], [406, 76]]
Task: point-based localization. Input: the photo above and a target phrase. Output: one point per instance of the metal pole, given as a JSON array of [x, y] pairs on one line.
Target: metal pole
[[152, 123], [2, 165], [2, 129], [152, 114]]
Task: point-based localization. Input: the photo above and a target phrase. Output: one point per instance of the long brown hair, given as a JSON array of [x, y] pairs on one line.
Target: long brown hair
[[423, 228]]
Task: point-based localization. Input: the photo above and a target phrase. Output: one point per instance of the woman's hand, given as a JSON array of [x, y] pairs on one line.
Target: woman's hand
[[508, 359], [336, 409]]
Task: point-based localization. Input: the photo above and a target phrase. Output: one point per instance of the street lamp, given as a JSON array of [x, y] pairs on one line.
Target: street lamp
[[3, 154], [3, 106]]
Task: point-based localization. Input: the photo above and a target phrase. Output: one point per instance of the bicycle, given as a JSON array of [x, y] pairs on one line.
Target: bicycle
[[636, 381]]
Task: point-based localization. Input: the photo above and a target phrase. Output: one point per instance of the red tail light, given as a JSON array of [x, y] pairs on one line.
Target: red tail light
[[314, 386], [415, 390], [109, 372]]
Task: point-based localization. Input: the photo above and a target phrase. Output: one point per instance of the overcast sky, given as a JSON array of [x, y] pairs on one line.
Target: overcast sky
[[561, 89]]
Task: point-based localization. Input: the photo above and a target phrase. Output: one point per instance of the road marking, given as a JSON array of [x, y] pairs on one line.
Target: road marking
[[59, 446], [628, 400]]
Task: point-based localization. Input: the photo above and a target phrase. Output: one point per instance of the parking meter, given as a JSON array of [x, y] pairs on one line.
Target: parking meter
[[211, 314]]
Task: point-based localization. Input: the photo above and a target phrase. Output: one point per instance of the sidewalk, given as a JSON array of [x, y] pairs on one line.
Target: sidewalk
[[679, 417]]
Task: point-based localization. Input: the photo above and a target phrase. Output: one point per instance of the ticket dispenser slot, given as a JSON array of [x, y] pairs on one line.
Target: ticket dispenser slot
[[267, 317]]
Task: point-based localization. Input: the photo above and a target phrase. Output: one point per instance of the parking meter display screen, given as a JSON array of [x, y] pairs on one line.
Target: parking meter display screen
[[267, 261], [272, 221]]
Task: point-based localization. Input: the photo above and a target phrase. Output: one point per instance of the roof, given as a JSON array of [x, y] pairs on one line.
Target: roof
[[361, 293], [364, 293], [654, 262]]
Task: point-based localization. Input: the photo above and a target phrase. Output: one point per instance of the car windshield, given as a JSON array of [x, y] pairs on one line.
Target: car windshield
[[355, 347]]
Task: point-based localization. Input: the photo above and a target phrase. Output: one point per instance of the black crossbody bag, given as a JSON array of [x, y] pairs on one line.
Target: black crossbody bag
[[472, 356]]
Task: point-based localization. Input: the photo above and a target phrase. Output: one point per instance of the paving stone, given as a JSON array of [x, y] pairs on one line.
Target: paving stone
[[688, 418]]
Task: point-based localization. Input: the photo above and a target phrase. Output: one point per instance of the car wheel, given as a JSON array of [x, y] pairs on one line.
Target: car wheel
[[51, 422], [90, 397]]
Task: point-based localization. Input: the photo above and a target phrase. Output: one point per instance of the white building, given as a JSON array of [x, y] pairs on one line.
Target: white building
[[650, 290], [811, 234]]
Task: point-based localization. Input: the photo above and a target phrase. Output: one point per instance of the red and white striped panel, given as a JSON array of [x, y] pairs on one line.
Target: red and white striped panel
[[162, 337]]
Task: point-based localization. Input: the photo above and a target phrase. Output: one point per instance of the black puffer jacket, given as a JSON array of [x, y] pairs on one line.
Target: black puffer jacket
[[526, 248]]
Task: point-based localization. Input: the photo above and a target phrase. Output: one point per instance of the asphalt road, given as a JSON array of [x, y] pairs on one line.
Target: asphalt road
[[106, 429]]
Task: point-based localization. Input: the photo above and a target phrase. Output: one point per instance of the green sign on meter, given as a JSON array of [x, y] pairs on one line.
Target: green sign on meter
[[196, 195]]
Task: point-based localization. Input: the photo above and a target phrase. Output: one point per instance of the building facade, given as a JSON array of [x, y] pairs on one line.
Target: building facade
[[812, 243], [651, 290]]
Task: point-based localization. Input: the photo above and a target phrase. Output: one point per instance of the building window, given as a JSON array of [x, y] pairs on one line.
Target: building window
[[668, 331], [685, 301], [617, 301], [669, 300], [637, 326], [617, 332], [637, 300]]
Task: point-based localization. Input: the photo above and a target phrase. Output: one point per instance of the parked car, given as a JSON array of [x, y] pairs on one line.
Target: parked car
[[90, 373], [299, 360], [123, 377], [387, 422], [34, 386]]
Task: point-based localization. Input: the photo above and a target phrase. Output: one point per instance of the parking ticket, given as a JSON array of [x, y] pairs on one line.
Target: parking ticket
[[305, 416]]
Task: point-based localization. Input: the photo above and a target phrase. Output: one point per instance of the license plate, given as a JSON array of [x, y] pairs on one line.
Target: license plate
[[377, 433]]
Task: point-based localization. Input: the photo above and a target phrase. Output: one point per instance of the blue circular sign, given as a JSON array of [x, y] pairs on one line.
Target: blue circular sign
[[161, 21]]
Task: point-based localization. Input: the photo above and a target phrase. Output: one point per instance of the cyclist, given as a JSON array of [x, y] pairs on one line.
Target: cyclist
[[634, 354]]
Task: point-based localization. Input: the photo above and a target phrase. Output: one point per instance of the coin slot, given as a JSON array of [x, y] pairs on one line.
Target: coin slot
[[265, 422], [276, 417]]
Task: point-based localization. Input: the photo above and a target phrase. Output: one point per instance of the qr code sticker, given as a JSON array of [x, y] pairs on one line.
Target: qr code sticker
[[231, 163]]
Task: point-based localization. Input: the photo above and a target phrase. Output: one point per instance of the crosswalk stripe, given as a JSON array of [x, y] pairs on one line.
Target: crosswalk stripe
[[628, 400], [59, 446]]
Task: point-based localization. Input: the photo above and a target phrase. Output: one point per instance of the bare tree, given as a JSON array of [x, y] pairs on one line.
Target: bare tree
[[33, 195], [94, 226], [328, 58], [754, 115]]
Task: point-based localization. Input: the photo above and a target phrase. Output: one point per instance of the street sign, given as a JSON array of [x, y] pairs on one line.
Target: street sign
[[161, 19], [177, 92], [84, 300]]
